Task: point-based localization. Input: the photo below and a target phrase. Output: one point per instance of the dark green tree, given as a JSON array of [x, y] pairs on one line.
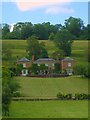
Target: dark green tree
[[9, 86], [40, 31], [35, 48], [51, 37], [58, 54], [5, 31], [74, 26], [63, 40]]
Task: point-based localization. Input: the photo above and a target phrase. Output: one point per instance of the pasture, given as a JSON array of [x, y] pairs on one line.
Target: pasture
[[49, 87], [79, 49], [49, 109]]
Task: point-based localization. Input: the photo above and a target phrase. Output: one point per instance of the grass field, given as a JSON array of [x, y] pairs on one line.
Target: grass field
[[49, 87], [79, 49], [49, 109]]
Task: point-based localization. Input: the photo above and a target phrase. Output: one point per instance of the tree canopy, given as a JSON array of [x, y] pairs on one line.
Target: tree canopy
[[24, 30], [63, 40], [35, 48]]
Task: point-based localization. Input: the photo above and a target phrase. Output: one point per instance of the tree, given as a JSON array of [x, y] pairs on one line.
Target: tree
[[63, 40], [58, 54], [35, 48], [9, 86], [6, 52], [5, 31], [40, 31], [74, 26], [51, 36], [27, 30], [79, 69]]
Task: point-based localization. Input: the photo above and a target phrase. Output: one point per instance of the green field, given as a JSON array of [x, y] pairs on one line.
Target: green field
[[79, 49], [49, 87], [49, 109]]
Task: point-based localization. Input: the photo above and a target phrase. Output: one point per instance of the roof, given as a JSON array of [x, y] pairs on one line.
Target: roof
[[68, 59], [45, 60], [23, 60]]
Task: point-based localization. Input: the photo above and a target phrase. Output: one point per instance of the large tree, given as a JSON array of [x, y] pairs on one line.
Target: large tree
[[5, 31], [74, 26], [63, 40], [35, 48]]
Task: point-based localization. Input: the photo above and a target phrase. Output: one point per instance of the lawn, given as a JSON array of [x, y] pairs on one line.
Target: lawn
[[49, 87], [49, 109]]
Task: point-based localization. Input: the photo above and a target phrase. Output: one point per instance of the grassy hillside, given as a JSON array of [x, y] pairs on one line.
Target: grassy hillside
[[79, 49], [49, 87], [49, 109]]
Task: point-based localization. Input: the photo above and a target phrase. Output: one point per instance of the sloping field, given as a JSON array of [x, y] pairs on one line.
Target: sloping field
[[79, 49], [49, 87]]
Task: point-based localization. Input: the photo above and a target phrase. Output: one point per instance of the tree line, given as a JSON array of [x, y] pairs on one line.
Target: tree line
[[43, 31]]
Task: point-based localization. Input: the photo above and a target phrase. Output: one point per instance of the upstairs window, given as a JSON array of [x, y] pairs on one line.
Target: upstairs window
[[38, 64], [53, 65], [46, 64], [69, 64], [24, 65]]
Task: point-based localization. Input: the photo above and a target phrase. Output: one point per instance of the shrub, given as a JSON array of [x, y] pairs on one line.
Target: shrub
[[79, 69], [87, 72], [81, 96], [60, 96], [64, 96], [16, 94]]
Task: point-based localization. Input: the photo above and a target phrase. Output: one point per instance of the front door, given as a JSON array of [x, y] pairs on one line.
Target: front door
[[24, 72], [69, 71]]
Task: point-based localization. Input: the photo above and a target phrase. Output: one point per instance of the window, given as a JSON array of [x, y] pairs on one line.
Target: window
[[69, 64], [53, 65], [46, 64], [24, 65], [38, 64]]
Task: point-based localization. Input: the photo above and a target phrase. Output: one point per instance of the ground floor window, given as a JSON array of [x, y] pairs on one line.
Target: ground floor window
[[24, 72], [69, 71]]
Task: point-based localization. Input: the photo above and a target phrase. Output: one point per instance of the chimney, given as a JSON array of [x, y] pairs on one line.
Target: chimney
[[33, 58]]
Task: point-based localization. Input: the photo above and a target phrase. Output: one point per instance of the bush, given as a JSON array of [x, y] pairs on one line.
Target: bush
[[16, 94], [60, 96], [87, 72], [79, 69], [64, 96], [78, 96], [81, 96]]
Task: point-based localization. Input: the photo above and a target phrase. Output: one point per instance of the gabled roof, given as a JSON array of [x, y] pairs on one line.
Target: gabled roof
[[68, 59], [23, 60], [45, 60]]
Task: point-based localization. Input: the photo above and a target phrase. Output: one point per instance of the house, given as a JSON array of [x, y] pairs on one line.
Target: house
[[26, 64], [49, 63], [67, 65]]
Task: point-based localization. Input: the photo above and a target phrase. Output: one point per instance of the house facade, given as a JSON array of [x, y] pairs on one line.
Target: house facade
[[25, 64], [48, 62], [67, 65]]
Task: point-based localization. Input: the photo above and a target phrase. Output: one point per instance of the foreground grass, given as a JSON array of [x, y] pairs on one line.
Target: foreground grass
[[49, 109], [49, 87]]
